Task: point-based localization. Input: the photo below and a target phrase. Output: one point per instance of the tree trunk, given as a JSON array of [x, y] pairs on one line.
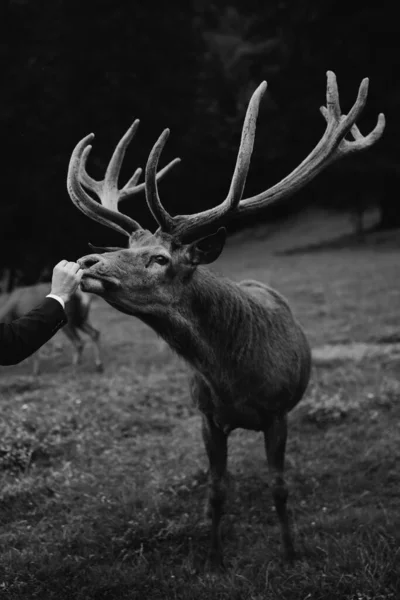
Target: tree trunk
[[389, 205]]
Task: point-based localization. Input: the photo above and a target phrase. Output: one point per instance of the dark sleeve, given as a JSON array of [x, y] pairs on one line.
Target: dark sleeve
[[22, 337]]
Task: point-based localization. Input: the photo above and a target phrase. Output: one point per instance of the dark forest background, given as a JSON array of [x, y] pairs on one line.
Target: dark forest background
[[70, 68]]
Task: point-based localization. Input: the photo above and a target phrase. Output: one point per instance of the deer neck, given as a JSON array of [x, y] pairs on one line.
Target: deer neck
[[210, 325], [7, 311]]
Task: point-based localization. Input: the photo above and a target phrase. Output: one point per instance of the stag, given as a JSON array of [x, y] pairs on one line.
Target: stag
[[249, 356], [77, 308]]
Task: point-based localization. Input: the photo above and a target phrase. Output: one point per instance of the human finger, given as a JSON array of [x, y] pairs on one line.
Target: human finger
[[62, 263], [73, 267]]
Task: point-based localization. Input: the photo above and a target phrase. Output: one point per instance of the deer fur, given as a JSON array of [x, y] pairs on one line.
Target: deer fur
[[24, 299]]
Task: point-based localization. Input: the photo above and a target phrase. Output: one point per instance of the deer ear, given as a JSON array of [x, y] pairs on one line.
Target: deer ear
[[207, 249]]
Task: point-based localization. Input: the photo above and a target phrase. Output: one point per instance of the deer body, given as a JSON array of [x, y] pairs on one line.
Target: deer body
[[248, 330], [264, 363], [250, 358], [24, 299]]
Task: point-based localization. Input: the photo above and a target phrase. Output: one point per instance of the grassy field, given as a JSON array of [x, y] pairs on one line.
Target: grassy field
[[103, 475]]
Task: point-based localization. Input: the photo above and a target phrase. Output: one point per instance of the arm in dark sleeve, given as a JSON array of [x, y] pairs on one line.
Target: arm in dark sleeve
[[22, 337]]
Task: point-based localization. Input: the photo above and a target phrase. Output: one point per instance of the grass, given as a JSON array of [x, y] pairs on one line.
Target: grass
[[103, 476]]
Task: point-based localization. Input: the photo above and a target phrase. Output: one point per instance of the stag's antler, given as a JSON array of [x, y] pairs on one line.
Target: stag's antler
[[107, 190], [332, 146]]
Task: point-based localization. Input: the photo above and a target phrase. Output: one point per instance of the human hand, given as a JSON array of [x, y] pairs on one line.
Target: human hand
[[66, 278]]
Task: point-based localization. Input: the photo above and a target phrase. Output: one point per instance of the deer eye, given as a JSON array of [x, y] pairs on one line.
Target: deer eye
[[160, 259]]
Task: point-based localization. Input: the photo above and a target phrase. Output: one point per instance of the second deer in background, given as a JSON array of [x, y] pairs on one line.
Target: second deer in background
[[24, 299]]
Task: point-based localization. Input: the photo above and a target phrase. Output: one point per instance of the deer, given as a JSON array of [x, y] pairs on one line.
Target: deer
[[248, 356], [23, 299]]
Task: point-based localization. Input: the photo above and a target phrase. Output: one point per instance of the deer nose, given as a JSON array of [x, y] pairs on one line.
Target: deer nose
[[88, 261]]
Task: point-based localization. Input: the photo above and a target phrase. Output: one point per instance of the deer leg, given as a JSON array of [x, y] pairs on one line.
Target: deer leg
[[36, 364], [216, 444], [73, 336], [275, 444], [94, 335]]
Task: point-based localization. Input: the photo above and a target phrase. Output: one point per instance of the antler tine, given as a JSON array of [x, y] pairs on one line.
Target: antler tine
[[133, 180], [130, 188], [367, 140], [114, 166], [332, 97], [245, 150], [84, 177], [186, 227], [84, 202], [107, 189], [347, 122], [162, 217]]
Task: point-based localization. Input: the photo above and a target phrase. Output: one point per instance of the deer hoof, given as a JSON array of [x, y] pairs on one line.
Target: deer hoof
[[215, 562], [290, 554]]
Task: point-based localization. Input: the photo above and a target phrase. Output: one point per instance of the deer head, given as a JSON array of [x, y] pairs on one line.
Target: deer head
[[153, 271]]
